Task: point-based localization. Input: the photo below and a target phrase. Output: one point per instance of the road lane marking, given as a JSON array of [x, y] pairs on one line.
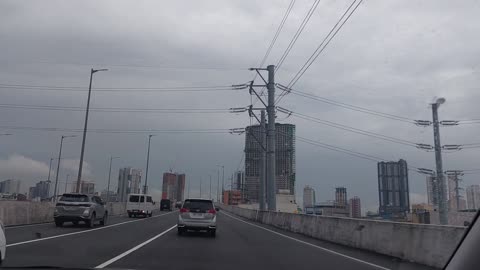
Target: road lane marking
[[134, 248], [29, 225], [307, 243], [85, 231]]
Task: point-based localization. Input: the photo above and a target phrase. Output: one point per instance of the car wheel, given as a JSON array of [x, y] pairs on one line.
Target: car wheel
[[91, 221], [151, 214], [129, 215], [58, 223], [103, 222], [75, 223], [180, 231], [213, 233]]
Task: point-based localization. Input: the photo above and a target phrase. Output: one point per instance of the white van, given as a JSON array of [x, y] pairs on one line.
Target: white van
[[140, 205]]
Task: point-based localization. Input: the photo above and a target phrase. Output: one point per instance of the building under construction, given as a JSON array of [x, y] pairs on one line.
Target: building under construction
[[285, 160]]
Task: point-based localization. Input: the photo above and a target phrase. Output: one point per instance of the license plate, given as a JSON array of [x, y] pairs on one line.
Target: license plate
[[70, 208], [196, 215]]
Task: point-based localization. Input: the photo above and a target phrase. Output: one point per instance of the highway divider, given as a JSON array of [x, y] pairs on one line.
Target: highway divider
[[24, 212], [426, 244]]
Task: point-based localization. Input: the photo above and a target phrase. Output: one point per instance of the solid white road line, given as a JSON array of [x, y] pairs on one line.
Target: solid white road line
[[134, 248], [85, 231], [306, 243]]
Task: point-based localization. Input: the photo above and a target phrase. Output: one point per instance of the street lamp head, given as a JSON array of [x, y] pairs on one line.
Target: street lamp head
[[69, 136], [97, 70], [440, 101]]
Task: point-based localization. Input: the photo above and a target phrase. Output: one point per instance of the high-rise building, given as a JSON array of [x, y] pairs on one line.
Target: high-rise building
[[129, 180], [239, 180], [341, 197], [40, 190], [173, 187], [452, 194], [393, 191], [355, 209], [473, 197], [308, 197], [285, 160], [432, 188], [10, 186]]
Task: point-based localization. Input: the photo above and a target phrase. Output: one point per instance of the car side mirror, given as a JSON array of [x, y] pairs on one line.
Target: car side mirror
[[217, 209]]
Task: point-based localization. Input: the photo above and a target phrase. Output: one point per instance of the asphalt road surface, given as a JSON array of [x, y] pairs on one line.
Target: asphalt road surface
[[153, 243]]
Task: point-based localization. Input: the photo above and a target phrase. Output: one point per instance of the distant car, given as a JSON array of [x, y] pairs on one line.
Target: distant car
[[74, 207], [197, 215], [165, 204], [178, 204], [3, 243], [140, 205]]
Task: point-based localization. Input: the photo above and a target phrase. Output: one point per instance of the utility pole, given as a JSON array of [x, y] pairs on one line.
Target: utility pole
[[58, 166], [48, 179], [109, 175], [200, 188], [218, 184], [188, 190], [210, 187], [271, 158], [263, 164], [145, 187], [66, 183], [80, 166], [442, 205], [223, 181]]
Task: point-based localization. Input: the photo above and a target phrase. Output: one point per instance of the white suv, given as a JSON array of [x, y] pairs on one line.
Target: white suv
[[197, 215]]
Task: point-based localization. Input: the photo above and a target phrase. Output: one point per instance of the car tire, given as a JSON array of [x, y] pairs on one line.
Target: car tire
[[213, 233], [75, 223], [129, 215], [58, 223], [103, 222], [180, 231], [151, 214], [91, 221]]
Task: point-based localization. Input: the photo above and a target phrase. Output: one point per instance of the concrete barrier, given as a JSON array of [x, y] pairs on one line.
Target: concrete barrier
[[420, 243], [24, 212]]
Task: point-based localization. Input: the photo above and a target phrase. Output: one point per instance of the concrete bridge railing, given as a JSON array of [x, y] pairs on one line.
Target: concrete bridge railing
[[426, 244]]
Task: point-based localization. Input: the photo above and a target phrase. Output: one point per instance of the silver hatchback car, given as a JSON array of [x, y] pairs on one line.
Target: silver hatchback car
[[197, 215]]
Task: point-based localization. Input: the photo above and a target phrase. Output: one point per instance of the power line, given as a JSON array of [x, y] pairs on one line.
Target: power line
[[297, 34], [119, 131], [320, 49], [277, 33], [120, 89], [114, 109], [354, 130], [352, 107]]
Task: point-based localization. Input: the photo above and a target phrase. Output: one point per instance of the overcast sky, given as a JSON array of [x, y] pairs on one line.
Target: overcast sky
[[391, 56]]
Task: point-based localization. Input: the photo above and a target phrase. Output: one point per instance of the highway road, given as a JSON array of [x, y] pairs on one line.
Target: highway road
[[153, 243]]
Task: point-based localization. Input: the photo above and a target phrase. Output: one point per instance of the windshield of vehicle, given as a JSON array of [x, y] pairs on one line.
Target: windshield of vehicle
[[135, 198], [74, 198], [200, 205]]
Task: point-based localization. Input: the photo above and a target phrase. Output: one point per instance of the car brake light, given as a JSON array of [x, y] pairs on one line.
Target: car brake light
[[184, 210], [212, 211]]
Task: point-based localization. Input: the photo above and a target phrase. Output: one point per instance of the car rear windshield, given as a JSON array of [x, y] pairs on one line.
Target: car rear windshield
[[74, 198], [134, 198], [201, 205]]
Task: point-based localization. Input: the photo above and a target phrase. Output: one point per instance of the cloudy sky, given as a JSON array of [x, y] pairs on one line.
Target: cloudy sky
[[393, 57]]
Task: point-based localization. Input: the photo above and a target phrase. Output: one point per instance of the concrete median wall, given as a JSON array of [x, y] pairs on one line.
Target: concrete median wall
[[20, 212], [421, 243]]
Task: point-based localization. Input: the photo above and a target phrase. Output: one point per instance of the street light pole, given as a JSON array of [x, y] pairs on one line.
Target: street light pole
[[210, 187], [48, 179], [80, 166], [66, 183], [58, 165], [109, 174], [145, 187]]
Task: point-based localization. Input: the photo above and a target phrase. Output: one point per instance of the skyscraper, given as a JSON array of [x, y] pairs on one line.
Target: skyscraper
[[355, 209], [10, 186], [473, 197], [432, 190], [285, 160], [393, 191], [452, 194], [239, 180], [308, 197], [341, 197], [173, 186], [40, 190], [129, 181]]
